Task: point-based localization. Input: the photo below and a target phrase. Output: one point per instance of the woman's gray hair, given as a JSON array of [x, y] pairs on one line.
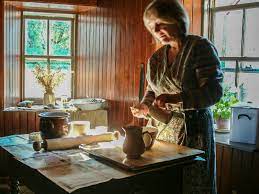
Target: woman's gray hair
[[170, 11]]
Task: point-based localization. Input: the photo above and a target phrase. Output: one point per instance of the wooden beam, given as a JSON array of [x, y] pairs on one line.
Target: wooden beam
[[67, 2]]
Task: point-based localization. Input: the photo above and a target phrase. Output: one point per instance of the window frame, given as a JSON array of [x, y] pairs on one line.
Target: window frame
[[238, 59], [47, 56]]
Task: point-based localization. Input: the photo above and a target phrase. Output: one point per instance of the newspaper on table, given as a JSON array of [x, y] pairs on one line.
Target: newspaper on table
[[13, 140], [69, 169]]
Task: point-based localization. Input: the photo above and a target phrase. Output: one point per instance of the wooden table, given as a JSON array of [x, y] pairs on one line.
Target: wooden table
[[72, 171]]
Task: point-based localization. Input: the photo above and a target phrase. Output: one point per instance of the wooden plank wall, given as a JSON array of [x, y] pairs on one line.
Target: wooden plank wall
[[1, 55], [12, 51], [237, 171], [112, 43], [10, 68]]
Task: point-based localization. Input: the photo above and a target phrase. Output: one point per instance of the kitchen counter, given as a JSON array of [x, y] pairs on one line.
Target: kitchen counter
[[25, 117], [224, 139]]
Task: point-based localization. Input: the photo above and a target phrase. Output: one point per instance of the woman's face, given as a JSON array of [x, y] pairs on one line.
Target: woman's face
[[163, 31]]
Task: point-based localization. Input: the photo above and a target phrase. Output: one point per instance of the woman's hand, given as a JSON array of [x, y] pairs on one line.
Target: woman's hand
[[162, 99], [139, 110]]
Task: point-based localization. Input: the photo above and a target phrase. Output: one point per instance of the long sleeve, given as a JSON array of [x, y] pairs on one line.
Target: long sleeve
[[208, 77], [149, 96]]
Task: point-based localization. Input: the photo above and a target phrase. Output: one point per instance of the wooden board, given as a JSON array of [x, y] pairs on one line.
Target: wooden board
[[161, 154]]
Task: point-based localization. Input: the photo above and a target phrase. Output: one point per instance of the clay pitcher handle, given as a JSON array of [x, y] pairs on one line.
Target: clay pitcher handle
[[150, 142], [123, 128]]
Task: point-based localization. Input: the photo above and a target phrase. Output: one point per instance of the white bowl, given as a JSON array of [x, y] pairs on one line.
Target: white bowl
[[89, 103]]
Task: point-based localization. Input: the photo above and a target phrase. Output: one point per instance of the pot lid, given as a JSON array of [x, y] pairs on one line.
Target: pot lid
[[245, 105]]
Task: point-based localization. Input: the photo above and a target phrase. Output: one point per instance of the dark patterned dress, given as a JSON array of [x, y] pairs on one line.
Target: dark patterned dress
[[195, 74]]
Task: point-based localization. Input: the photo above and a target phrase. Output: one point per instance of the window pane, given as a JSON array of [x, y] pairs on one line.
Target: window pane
[[35, 37], [251, 34], [229, 80], [228, 65], [205, 19], [224, 2], [60, 38], [233, 2], [249, 83], [32, 88], [228, 33], [65, 87]]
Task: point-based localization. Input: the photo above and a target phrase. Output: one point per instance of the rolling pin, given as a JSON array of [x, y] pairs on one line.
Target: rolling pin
[[74, 142]]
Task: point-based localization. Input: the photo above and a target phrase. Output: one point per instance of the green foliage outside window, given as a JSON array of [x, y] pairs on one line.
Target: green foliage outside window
[[36, 37], [60, 38], [36, 33], [54, 65]]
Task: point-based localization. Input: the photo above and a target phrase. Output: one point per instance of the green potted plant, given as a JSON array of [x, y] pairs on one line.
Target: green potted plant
[[222, 109]]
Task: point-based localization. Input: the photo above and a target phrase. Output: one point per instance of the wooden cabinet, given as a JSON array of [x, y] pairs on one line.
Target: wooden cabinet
[[237, 167], [22, 121]]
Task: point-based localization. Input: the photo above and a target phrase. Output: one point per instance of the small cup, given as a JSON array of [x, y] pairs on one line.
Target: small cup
[[79, 127]]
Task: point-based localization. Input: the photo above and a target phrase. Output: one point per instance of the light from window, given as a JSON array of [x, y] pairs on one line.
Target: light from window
[[235, 35], [228, 33], [47, 42], [251, 35]]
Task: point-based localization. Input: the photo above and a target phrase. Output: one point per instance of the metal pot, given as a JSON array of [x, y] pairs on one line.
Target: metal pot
[[54, 124]]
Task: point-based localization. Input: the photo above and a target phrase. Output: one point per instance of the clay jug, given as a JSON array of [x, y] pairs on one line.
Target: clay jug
[[133, 145]]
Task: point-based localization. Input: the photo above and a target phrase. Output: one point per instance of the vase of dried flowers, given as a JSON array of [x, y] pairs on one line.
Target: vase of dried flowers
[[49, 98], [48, 79]]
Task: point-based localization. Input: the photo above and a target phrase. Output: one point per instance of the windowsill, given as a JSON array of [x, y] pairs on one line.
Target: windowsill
[[39, 101], [38, 108], [224, 139]]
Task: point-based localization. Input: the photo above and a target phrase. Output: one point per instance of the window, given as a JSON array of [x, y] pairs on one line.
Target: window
[[231, 25], [48, 42]]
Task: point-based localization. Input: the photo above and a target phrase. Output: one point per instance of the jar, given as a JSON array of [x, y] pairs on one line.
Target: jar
[[54, 124]]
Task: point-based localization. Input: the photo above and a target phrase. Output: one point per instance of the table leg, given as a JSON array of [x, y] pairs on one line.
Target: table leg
[[14, 185]]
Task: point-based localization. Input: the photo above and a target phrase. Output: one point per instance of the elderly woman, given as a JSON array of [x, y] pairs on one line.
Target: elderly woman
[[184, 80]]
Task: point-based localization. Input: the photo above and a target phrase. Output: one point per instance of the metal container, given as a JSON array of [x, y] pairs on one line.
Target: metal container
[[54, 124], [245, 124]]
